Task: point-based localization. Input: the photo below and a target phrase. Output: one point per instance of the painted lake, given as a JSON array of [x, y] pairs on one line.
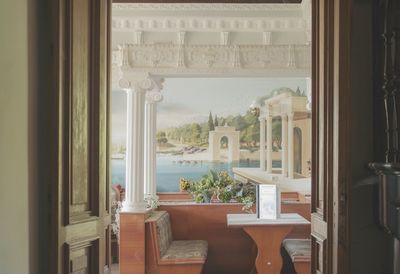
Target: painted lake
[[171, 168]]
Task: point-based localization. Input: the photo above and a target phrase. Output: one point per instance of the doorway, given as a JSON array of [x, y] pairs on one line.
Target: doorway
[[236, 45], [326, 91]]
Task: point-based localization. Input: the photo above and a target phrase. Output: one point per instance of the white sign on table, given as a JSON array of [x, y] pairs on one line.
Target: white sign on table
[[268, 202]]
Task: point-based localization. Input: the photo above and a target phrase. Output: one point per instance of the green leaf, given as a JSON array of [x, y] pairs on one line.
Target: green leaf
[[212, 176]]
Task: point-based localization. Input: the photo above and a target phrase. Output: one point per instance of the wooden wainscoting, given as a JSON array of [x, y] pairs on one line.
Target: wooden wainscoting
[[174, 196], [230, 250]]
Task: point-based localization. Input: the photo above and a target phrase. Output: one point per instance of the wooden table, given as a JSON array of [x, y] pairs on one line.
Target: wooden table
[[268, 236]]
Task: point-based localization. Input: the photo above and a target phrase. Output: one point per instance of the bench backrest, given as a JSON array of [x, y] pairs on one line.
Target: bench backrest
[[164, 232]]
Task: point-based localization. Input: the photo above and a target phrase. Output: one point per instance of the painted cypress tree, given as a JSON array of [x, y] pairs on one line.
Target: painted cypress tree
[[216, 121], [211, 125]]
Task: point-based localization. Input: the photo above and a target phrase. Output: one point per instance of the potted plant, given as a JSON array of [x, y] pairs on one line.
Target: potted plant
[[220, 187]]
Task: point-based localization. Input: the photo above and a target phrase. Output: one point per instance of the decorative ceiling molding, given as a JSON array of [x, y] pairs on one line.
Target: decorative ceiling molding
[[223, 57], [204, 7], [193, 59], [207, 24]]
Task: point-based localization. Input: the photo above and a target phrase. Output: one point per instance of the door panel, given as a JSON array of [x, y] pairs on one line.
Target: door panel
[[331, 136], [78, 64], [321, 127], [81, 233]]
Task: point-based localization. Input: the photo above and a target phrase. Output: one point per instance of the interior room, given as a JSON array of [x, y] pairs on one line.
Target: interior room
[[254, 136], [228, 108]]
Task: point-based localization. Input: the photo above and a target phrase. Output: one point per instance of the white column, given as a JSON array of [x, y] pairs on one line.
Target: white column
[[150, 187], [269, 143], [290, 146], [134, 193], [262, 143], [284, 145], [309, 92]]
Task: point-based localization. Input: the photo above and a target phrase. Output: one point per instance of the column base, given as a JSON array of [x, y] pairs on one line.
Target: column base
[[132, 243]]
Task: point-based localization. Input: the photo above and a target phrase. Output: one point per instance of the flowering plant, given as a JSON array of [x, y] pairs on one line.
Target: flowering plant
[[184, 184], [222, 187]]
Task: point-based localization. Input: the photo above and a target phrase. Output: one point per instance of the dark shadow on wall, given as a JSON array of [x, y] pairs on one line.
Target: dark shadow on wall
[[370, 246], [40, 81]]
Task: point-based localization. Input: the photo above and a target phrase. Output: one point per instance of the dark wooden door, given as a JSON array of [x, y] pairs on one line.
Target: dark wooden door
[[331, 137], [80, 122]]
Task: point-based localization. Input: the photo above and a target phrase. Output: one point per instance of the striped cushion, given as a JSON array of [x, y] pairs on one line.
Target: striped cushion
[[164, 233], [193, 249], [298, 249]]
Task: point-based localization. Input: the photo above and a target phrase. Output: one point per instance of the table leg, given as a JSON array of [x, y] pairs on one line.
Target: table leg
[[268, 241]]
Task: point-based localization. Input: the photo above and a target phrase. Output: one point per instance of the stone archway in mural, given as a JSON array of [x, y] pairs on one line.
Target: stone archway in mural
[[214, 143]]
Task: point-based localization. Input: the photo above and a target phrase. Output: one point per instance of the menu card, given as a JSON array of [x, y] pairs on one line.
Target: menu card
[[268, 202]]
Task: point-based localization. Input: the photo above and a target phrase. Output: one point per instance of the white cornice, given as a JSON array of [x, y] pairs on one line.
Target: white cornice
[[171, 59], [204, 7], [206, 24]]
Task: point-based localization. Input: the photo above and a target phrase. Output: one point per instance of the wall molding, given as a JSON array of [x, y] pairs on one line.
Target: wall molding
[[204, 6], [205, 24], [168, 55], [172, 59]]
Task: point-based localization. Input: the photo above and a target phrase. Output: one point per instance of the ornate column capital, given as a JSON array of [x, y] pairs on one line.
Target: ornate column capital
[[140, 82], [290, 115], [153, 97]]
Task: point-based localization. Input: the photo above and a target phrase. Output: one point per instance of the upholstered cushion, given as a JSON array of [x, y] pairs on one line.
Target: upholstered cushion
[[298, 249], [164, 233], [193, 249]]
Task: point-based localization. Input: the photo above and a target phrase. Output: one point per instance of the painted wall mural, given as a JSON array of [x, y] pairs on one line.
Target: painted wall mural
[[202, 124]]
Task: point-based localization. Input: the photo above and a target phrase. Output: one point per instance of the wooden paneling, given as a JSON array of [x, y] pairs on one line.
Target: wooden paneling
[[174, 196], [79, 96], [81, 229], [132, 243], [231, 250], [81, 257], [79, 101], [331, 136]]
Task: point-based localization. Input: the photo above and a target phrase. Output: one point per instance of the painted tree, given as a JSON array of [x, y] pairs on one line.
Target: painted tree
[[161, 138], [204, 132], [216, 121], [211, 125], [196, 133]]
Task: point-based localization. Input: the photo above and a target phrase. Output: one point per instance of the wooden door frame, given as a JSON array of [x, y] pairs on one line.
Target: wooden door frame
[[331, 134], [59, 125], [332, 18], [335, 107]]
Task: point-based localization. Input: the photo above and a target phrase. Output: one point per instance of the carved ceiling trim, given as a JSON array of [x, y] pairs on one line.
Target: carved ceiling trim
[[170, 59], [162, 24], [204, 6]]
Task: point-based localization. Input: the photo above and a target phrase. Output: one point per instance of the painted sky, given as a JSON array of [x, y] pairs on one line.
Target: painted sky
[[188, 100]]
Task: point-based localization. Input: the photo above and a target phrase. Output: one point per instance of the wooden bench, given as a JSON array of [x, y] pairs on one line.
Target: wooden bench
[[164, 255], [299, 251]]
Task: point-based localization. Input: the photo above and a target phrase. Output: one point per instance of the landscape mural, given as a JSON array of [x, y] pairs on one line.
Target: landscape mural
[[202, 125]]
